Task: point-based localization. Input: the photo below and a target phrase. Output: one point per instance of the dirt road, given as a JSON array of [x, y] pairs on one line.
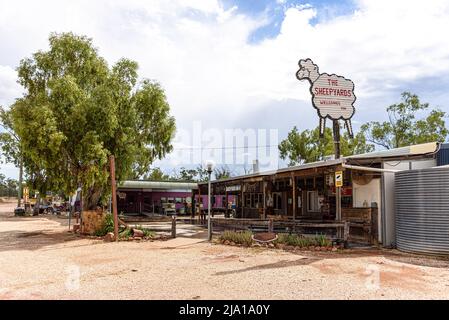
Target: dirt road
[[39, 259]]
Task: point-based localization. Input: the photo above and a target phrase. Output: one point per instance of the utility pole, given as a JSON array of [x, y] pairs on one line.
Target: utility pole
[[114, 196], [210, 168]]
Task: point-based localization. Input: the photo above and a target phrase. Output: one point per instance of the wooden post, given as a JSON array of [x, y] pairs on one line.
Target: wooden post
[[114, 196], [173, 227], [199, 204], [193, 205], [265, 186], [294, 196], [270, 226], [226, 206], [336, 127], [346, 234], [242, 200]]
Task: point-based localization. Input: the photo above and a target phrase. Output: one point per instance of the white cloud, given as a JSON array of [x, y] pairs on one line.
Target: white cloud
[[200, 52], [9, 88]]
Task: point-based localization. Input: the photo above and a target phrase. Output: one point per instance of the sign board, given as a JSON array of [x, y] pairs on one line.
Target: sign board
[[332, 95], [26, 194], [233, 188], [339, 179]]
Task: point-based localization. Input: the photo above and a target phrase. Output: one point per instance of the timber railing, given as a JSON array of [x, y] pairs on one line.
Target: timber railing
[[257, 225], [154, 223]]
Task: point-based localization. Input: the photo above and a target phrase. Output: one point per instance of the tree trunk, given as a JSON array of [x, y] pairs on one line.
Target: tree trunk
[[38, 204], [19, 196], [91, 197]]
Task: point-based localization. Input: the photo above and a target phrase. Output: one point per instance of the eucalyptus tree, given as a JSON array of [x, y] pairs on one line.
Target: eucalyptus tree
[[77, 111]]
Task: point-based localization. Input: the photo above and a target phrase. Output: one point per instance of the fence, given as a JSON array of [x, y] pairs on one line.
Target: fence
[[338, 231], [154, 223]]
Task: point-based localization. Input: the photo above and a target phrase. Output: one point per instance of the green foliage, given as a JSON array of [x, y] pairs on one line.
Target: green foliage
[[222, 173], [302, 242], [403, 128], [11, 150], [146, 232], [77, 111], [190, 175], [156, 174], [126, 234], [243, 238], [307, 146], [322, 241], [294, 240], [9, 141], [8, 187], [108, 226]]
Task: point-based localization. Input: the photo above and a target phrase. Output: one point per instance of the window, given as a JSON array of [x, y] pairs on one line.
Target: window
[[312, 201], [309, 183], [277, 201], [248, 200], [253, 200]]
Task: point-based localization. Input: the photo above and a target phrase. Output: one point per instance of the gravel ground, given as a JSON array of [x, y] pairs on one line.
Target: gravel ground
[[39, 259]]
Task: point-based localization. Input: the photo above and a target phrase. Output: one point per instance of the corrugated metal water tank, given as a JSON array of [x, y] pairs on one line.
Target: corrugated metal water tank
[[422, 211]]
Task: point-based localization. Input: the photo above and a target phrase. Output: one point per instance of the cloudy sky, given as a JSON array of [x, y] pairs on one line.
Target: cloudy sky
[[229, 64]]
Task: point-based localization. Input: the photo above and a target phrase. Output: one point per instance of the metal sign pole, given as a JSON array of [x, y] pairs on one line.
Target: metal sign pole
[[333, 97], [337, 149], [209, 221], [336, 127]]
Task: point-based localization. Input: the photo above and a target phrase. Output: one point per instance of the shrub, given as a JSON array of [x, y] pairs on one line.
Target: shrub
[[293, 240], [125, 234], [107, 226], [301, 241], [243, 238], [322, 241], [146, 232]]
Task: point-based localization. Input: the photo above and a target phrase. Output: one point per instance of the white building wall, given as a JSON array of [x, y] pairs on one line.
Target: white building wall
[[388, 215], [370, 193]]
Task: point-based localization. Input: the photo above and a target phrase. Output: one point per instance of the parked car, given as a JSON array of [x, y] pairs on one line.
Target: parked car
[[43, 209], [19, 212], [169, 208]]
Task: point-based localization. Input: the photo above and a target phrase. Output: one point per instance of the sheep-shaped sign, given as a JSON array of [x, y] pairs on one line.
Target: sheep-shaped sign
[[333, 96]]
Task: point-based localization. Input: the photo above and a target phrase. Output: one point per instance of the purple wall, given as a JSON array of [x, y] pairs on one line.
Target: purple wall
[[139, 201]]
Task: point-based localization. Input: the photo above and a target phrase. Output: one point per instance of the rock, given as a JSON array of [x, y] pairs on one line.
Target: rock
[[227, 243], [232, 243], [280, 246], [271, 245], [138, 233], [289, 248], [311, 248], [317, 248], [138, 238], [109, 237], [334, 249]]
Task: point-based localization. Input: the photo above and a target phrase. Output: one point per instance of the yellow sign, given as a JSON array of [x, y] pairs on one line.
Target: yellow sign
[[26, 194], [339, 179]]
